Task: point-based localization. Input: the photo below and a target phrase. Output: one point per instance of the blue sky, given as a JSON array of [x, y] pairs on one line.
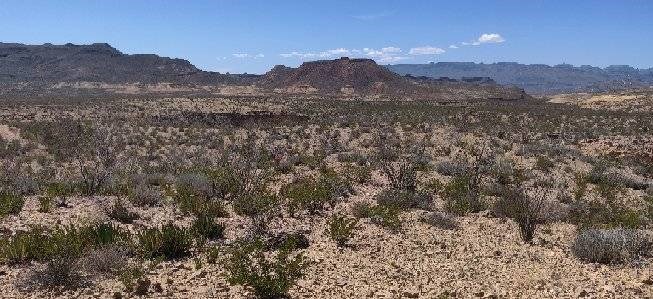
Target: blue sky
[[253, 36]]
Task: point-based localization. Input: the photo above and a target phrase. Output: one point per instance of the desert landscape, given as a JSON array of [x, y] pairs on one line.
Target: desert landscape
[[355, 172]]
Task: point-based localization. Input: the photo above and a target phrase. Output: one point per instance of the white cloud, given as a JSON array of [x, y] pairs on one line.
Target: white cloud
[[426, 50], [384, 55], [486, 38], [453, 47], [491, 38], [245, 55]]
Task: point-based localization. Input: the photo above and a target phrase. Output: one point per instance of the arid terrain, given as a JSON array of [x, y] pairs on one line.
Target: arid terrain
[[201, 194]]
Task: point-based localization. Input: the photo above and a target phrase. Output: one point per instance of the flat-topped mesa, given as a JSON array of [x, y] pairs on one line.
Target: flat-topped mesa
[[332, 76]]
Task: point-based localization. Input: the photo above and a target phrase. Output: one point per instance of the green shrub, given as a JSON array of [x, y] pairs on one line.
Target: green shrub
[[259, 205], [61, 191], [405, 200], [45, 204], [543, 163], [206, 228], [608, 214], [10, 204], [226, 182], [341, 229], [461, 196], [190, 203], [308, 195], [169, 242], [268, 277], [386, 216], [39, 244]]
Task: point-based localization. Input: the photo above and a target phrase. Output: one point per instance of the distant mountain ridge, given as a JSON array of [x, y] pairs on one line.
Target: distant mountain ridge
[[537, 78], [364, 77], [98, 62]]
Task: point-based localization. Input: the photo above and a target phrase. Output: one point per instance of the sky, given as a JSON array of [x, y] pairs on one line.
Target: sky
[[252, 36]]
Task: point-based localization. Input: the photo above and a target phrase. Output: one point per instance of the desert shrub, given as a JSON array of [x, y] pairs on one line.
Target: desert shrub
[[403, 177], [341, 229], [61, 191], [361, 209], [169, 242], [610, 246], [292, 240], [119, 212], [581, 186], [609, 214], [451, 168], [308, 195], [196, 184], [224, 181], [268, 277], [193, 204], [259, 205], [144, 195], [206, 228], [386, 216], [130, 277], [440, 220], [405, 200], [45, 204], [359, 174], [60, 273], [39, 244], [543, 163], [107, 259], [461, 196], [10, 204], [526, 206]]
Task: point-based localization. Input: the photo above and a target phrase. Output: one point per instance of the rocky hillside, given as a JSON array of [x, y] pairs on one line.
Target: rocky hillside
[[335, 76], [97, 63], [537, 78], [364, 77]]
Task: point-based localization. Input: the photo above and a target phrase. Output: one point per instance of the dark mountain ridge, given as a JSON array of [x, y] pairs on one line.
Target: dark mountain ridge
[[98, 62], [537, 78]]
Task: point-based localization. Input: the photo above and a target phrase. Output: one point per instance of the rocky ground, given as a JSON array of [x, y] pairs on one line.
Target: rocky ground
[[582, 155]]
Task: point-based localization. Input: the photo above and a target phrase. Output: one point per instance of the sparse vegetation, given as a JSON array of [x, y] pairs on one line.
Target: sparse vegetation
[[341, 229], [269, 278]]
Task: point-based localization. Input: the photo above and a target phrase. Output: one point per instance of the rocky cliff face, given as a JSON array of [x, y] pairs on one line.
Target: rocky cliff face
[[536, 78], [97, 63]]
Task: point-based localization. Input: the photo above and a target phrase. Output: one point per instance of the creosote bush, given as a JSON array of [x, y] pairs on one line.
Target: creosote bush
[[405, 200], [341, 229], [268, 276], [386, 216], [10, 203], [462, 196], [526, 206], [609, 246], [311, 195], [169, 242], [40, 245]]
